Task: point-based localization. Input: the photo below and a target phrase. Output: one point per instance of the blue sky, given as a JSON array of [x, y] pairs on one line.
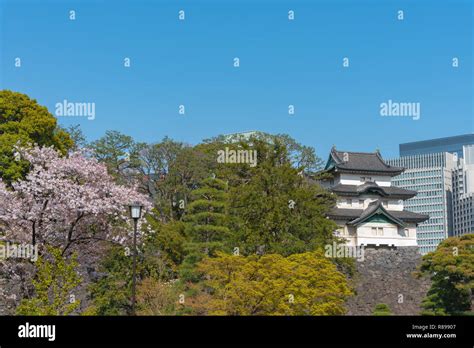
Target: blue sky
[[282, 62]]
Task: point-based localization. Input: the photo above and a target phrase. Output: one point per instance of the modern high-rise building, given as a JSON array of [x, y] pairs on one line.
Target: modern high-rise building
[[431, 175], [463, 193], [442, 172], [449, 144]]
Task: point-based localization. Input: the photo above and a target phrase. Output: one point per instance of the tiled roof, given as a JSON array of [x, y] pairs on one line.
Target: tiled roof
[[360, 162], [368, 187], [355, 216]]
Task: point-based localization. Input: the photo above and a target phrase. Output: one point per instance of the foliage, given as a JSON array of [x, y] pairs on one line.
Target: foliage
[[65, 201], [113, 149], [56, 194], [24, 122], [158, 259], [189, 169], [164, 249], [168, 171], [77, 136], [54, 284], [278, 210], [155, 297], [382, 309], [206, 224], [206, 216], [154, 162], [111, 294], [301, 157], [451, 268], [300, 284]]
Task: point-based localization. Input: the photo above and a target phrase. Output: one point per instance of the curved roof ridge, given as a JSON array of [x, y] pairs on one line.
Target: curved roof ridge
[[364, 188], [385, 191], [379, 155], [366, 162], [375, 207]]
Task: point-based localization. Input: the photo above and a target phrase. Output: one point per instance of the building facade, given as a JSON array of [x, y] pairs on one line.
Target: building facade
[[431, 175], [442, 171], [370, 210], [448, 144], [463, 193]]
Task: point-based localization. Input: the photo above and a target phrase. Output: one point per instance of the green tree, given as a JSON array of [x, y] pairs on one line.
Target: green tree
[[168, 171], [54, 284], [154, 162], [114, 149], [189, 169], [451, 268], [158, 259], [165, 248], [77, 136], [382, 309], [111, 293], [155, 297], [206, 224], [301, 157], [300, 284], [278, 210], [24, 122]]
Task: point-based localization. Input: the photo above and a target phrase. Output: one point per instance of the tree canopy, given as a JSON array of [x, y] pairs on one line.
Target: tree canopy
[[60, 191], [451, 268], [23, 122], [300, 284], [65, 201], [55, 282]]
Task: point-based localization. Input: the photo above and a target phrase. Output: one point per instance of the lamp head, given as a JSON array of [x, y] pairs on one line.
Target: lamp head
[[135, 210]]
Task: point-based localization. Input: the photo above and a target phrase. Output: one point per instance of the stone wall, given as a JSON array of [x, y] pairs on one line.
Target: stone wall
[[381, 278], [386, 276], [13, 277]]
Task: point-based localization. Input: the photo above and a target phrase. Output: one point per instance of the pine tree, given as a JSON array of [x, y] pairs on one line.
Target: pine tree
[[206, 224]]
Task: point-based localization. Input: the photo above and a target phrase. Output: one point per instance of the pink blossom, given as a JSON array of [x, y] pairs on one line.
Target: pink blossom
[[66, 201]]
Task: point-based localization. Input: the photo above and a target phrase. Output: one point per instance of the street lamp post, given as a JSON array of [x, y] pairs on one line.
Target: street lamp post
[[135, 214]]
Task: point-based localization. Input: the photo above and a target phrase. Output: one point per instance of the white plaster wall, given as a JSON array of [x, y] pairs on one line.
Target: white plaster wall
[[367, 199], [353, 179], [393, 235]]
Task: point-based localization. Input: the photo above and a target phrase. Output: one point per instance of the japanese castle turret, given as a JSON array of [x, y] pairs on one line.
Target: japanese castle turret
[[369, 210]]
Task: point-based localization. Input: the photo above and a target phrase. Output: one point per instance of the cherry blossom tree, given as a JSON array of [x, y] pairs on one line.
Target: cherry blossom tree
[[66, 202]]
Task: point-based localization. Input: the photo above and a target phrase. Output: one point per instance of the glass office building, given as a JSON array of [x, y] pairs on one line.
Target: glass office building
[[450, 144], [463, 193], [442, 171], [431, 176]]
